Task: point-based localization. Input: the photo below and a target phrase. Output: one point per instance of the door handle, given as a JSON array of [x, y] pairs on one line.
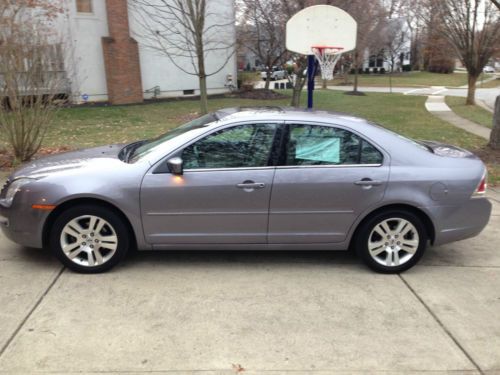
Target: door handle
[[251, 185], [368, 182]]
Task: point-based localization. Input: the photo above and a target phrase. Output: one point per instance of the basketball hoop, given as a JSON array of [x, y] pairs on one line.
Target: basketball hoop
[[327, 58], [313, 31]]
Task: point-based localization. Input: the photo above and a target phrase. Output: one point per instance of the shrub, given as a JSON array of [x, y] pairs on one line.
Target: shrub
[[407, 68], [367, 70], [382, 70]]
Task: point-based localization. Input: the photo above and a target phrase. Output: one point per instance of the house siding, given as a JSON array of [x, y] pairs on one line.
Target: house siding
[[110, 62]]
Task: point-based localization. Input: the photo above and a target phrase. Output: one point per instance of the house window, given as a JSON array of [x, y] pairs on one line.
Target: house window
[[84, 6]]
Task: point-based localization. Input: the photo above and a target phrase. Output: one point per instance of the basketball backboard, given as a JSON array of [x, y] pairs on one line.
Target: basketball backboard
[[320, 25]]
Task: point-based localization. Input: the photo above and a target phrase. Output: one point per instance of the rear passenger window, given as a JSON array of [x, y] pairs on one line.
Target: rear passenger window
[[325, 145], [369, 154]]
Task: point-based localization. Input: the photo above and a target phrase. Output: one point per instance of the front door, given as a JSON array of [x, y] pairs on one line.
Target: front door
[[327, 177], [223, 195]]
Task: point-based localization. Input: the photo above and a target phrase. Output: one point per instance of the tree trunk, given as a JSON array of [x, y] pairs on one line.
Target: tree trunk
[[268, 78], [296, 96], [297, 90], [390, 81], [471, 90], [203, 95], [202, 78], [495, 132], [356, 69]]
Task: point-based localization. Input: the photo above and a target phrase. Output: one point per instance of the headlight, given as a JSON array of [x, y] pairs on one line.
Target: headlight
[[13, 188]]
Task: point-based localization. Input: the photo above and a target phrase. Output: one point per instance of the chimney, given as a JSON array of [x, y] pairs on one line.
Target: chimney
[[121, 57]]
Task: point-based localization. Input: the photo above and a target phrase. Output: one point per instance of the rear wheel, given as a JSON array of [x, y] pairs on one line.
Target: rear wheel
[[391, 241], [89, 239]]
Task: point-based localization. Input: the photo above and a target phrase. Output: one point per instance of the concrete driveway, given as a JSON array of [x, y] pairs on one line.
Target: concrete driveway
[[268, 313]]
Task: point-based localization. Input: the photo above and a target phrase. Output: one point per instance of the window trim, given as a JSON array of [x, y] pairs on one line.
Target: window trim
[[286, 137], [80, 13], [161, 167]]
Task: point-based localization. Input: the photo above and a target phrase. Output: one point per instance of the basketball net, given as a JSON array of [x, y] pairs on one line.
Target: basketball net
[[327, 58]]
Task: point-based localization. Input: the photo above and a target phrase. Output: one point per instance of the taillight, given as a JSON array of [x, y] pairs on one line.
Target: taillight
[[481, 188]]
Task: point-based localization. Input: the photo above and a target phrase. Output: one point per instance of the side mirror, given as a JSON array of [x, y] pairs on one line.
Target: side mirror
[[175, 166]]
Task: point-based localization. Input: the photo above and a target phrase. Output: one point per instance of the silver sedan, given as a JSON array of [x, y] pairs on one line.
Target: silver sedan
[[254, 178]]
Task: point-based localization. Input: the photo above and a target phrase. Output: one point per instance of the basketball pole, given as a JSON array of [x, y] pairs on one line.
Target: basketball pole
[[311, 70]]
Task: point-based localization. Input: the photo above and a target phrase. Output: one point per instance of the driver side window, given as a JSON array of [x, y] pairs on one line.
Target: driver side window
[[237, 147]]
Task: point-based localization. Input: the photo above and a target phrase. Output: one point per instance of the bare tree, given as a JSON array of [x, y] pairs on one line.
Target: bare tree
[[191, 33], [497, 3], [263, 32], [395, 39], [32, 78], [371, 19], [473, 28], [298, 78]]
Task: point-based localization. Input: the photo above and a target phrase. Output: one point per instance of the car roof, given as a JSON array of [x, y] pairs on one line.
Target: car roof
[[289, 114]]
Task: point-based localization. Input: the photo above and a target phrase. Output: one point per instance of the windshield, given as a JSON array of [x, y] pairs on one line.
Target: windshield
[[146, 147]]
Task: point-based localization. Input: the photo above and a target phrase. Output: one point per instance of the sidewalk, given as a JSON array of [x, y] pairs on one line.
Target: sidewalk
[[437, 106]]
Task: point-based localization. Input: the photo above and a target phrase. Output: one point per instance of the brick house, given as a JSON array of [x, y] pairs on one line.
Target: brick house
[[109, 62]]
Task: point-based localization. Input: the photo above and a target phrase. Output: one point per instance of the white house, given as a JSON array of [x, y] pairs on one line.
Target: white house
[[393, 48], [108, 59]]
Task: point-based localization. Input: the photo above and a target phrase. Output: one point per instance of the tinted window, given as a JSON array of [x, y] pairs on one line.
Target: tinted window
[[237, 147], [369, 154], [324, 145]]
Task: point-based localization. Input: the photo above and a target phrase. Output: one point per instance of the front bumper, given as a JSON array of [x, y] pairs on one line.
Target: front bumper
[[22, 225]]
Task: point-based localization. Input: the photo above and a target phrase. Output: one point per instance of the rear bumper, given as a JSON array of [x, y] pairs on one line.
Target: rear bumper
[[454, 223]]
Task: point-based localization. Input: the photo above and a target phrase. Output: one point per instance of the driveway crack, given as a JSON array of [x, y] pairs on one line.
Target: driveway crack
[[441, 324], [32, 310]]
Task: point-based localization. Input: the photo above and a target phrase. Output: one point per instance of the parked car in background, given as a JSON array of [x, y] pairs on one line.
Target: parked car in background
[[276, 74], [254, 178], [488, 69]]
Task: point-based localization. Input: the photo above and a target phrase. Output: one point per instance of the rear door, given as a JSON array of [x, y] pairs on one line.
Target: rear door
[[327, 176]]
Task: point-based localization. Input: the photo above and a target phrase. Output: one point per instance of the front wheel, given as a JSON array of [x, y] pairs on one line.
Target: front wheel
[[391, 241], [89, 239]]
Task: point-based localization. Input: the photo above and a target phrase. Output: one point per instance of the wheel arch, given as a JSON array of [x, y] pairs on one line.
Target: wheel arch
[[426, 220], [49, 222]]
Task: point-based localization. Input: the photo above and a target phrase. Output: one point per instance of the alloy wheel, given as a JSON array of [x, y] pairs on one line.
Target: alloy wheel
[[393, 242], [89, 241]]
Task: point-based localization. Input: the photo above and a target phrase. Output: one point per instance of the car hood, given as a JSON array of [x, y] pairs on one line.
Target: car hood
[[91, 157]]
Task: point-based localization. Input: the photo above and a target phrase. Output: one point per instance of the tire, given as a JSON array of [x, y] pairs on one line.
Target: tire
[[391, 241], [89, 251]]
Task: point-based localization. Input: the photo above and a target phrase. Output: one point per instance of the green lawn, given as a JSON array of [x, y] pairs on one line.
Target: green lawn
[[83, 127], [473, 113], [410, 79], [490, 84], [91, 126]]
